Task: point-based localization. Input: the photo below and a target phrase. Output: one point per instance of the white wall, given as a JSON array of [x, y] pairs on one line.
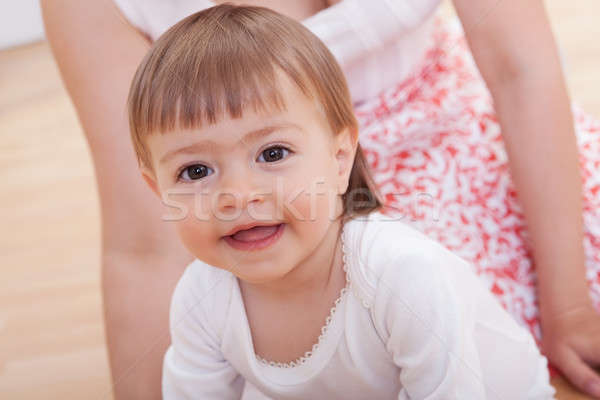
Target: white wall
[[20, 22]]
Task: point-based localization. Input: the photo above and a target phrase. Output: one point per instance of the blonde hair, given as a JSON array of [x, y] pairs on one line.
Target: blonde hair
[[225, 59]]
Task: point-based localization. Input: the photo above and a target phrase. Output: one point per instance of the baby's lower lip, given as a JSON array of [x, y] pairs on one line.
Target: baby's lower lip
[[255, 244]]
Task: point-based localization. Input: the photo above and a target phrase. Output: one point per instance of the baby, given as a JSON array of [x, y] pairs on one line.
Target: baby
[[305, 286]]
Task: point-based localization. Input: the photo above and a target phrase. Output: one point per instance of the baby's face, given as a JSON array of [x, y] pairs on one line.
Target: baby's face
[[283, 169]]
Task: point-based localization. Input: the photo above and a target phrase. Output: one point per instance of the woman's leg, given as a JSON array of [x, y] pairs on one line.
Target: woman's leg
[[436, 149], [97, 53]]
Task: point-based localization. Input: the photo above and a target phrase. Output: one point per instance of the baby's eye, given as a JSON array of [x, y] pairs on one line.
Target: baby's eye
[[193, 172], [274, 153]]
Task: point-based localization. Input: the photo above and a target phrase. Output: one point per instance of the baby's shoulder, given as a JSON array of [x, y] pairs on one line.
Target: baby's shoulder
[[384, 243], [408, 279], [389, 256], [202, 292]]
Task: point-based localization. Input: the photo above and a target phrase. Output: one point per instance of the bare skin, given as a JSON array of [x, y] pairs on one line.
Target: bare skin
[[142, 257]]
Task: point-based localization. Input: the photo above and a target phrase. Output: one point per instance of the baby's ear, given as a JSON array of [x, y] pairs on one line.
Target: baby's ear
[[150, 179], [346, 144]]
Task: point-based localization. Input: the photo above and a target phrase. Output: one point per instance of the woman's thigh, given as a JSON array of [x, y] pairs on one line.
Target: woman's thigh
[[97, 53]]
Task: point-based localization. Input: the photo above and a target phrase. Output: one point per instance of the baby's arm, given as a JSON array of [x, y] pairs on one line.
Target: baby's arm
[[428, 332], [193, 366], [449, 336]]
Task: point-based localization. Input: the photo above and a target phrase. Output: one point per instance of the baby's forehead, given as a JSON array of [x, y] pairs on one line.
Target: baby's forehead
[[288, 104], [297, 114], [299, 126]]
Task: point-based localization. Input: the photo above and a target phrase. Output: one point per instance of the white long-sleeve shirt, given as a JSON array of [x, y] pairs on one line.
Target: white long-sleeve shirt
[[414, 322], [377, 43]]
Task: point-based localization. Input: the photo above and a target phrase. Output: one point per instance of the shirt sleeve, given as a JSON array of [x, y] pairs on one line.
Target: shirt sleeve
[[353, 28], [429, 328], [193, 365]]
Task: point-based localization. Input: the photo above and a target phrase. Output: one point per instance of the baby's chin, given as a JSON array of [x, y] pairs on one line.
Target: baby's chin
[[251, 268], [258, 273]]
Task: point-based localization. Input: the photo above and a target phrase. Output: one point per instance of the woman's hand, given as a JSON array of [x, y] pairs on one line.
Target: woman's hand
[[571, 341]]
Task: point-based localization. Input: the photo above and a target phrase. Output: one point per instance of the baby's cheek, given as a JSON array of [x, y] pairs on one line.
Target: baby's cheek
[[176, 206], [197, 237], [313, 200]]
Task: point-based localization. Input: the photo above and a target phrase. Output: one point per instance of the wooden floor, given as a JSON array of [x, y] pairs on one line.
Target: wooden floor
[[51, 332]]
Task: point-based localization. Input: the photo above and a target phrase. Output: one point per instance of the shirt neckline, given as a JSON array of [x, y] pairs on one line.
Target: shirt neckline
[[315, 359]]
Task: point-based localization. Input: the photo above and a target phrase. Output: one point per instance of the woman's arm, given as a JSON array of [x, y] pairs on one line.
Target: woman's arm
[[514, 49]]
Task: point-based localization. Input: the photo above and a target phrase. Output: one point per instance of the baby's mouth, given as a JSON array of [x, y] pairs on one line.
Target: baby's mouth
[[255, 233], [255, 238]]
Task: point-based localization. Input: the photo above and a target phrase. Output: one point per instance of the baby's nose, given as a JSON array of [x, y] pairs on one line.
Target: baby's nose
[[238, 198], [240, 192]]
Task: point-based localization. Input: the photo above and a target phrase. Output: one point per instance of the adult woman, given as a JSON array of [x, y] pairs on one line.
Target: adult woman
[[142, 259]]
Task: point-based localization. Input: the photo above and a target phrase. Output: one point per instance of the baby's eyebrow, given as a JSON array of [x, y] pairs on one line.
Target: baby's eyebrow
[[210, 145]]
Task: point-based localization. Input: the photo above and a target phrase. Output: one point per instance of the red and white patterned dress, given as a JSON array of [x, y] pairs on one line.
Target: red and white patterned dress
[[435, 147]]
